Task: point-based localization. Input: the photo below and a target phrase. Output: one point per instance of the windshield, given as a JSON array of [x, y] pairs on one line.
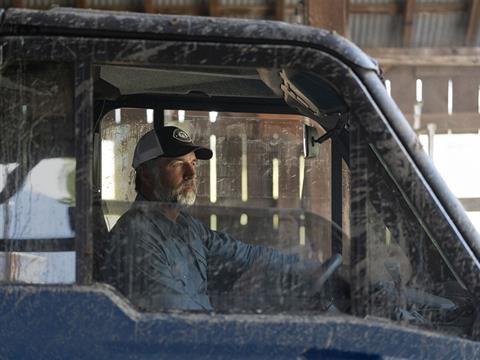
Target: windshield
[[259, 189], [244, 222], [256, 189]]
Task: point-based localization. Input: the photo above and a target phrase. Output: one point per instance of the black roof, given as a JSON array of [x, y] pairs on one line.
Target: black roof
[[83, 22]]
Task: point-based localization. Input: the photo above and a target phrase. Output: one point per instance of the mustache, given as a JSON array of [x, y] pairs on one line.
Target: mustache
[[188, 183]]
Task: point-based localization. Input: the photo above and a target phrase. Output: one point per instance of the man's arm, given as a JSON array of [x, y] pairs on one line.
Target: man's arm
[[241, 256], [270, 279]]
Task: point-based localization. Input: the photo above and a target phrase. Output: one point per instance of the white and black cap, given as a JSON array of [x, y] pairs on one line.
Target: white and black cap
[[170, 141]]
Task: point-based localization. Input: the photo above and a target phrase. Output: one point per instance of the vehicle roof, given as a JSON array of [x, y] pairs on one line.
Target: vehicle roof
[[85, 22]]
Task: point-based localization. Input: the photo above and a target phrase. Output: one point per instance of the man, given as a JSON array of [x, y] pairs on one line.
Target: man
[[157, 255]]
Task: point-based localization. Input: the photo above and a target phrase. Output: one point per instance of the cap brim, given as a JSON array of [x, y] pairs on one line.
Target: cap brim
[[203, 153], [200, 152]]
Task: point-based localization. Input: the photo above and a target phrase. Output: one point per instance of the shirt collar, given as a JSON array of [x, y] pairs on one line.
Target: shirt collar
[[182, 218]]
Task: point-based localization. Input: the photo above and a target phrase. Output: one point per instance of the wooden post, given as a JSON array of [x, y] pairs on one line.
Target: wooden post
[[408, 22], [473, 22], [213, 8], [329, 15], [280, 10], [148, 6]]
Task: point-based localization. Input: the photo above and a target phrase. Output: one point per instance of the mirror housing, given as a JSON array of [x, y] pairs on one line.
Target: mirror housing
[[311, 148]]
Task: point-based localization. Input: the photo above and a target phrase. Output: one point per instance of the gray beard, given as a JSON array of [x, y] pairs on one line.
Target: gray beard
[[175, 197]]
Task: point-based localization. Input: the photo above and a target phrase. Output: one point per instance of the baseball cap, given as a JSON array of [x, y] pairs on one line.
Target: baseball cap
[[170, 141]]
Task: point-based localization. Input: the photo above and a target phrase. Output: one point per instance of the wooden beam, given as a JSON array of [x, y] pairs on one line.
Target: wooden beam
[[470, 204], [473, 20], [449, 72], [426, 56], [280, 10], [440, 7], [394, 8], [460, 123], [408, 22], [328, 14], [387, 8]]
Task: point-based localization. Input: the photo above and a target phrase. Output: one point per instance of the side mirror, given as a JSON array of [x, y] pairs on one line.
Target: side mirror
[[310, 146]]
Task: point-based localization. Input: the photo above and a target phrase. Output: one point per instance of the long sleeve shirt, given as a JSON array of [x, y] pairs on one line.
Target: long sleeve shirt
[[160, 264]]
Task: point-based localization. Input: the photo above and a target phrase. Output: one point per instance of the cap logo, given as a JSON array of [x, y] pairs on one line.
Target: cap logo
[[181, 135]]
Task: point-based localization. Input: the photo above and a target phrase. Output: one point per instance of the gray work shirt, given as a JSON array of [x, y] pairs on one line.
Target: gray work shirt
[[160, 264]]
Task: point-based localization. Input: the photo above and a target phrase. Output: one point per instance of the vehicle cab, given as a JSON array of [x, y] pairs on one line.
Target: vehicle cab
[[311, 156]]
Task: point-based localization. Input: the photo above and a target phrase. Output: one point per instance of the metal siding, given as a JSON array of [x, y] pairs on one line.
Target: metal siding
[[441, 1], [176, 2], [124, 4], [376, 30], [375, 1], [436, 30], [244, 2], [45, 3]]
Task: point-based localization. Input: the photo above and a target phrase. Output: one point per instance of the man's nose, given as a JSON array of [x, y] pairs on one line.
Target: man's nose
[[189, 171]]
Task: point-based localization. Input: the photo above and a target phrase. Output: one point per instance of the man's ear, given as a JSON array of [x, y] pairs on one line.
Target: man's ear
[[145, 175]]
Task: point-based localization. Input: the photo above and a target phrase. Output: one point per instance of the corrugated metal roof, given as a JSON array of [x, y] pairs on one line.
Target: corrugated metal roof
[[247, 16], [244, 2], [376, 30], [45, 4], [439, 29], [433, 29], [176, 2], [442, 1], [375, 1], [125, 4]]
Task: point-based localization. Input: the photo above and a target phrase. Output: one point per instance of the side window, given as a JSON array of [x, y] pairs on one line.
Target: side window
[[37, 173], [398, 272]]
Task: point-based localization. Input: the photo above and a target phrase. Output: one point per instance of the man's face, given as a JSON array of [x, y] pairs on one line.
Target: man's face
[[174, 180]]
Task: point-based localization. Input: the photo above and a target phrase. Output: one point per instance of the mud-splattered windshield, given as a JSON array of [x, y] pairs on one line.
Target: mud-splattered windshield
[[251, 239], [258, 190]]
